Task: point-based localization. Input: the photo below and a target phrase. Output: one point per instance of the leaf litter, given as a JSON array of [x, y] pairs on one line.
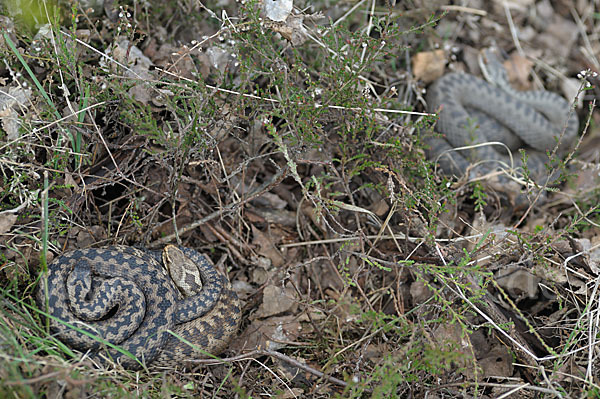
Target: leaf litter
[[337, 302]]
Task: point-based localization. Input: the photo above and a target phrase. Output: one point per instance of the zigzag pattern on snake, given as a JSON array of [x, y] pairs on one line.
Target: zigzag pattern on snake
[[473, 111], [125, 296]]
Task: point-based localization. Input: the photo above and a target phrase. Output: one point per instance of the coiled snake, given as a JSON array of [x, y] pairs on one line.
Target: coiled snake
[[473, 111], [122, 296]]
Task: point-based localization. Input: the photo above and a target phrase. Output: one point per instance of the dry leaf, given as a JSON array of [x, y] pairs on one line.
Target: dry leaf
[[429, 65], [131, 56], [269, 200], [266, 247], [137, 67], [594, 257], [518, 282], [89, 236], [497, 364], [450, 337], [419, 292], [262, 271], [7, 220], [518, 69], [176, 60], [554, 274], [295, 374], [327, 277], [276, 301], [218, 57], [12, 99], [292, 29], [380, 207], [274, 216], [273, 333], [278, 10]]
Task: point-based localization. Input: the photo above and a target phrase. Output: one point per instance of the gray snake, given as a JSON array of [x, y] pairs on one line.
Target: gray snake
[[472, 111], [121, 299]]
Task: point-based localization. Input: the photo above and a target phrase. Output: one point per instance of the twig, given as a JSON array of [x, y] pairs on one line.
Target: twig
[[468, 10], [277, 355], [519, 346], [277, 178], [40, 378], [513, 29], [397, 236]]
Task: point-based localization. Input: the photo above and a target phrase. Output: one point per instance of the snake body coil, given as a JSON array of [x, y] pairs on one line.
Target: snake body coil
[[121, 300], [473, 111]]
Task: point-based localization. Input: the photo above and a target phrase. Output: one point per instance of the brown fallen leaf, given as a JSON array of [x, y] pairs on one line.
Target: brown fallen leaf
[[13, 100], [450, 338], [570, 371], [277, 301], [87, 237], [292, 29], [419, 292], [498, 363], [273, 333], [518, 69], [518, 282], [138, 67], [429, 65], [267, 247], [7, 220], [177, 60], [297, 375]]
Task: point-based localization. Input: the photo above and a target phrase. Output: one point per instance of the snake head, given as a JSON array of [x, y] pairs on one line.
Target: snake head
[[183, 271], [79, 282]]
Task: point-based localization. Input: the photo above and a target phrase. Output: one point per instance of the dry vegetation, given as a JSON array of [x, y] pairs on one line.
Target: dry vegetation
[[278, 150]]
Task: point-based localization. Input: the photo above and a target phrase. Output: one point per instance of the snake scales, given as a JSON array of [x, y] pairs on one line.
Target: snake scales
[[125, 296], [473, 111]]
